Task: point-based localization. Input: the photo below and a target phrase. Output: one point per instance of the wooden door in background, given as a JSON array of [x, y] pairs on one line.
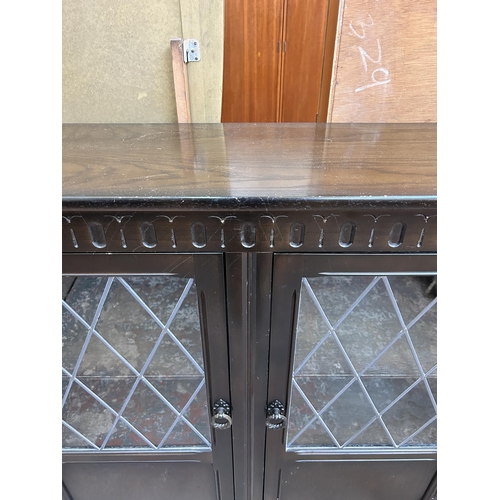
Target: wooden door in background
[[303, 53], [251, 60], [278, 60]]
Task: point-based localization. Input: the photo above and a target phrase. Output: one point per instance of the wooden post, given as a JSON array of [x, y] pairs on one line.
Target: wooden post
[[180, 81]]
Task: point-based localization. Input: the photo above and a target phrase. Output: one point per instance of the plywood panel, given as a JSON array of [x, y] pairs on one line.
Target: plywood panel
[[205, 21], [305, 29], [386, 62], [251, 57]]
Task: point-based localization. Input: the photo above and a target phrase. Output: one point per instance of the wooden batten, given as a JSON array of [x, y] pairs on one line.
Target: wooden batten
[[181, 83]]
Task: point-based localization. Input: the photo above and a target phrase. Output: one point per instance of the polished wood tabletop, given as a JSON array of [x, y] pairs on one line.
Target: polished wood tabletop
[[252, 161]]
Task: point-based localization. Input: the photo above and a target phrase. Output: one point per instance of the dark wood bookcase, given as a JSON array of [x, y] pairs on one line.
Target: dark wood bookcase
[[249, 311]]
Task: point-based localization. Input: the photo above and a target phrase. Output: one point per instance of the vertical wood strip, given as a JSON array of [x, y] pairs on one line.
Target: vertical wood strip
[[281, 59], [328, 55], [180, 81], [336, 51]]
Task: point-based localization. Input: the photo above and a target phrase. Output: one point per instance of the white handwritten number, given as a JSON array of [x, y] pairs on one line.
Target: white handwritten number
[[375, 81], [361, 33], [362, 25], [365, 56]]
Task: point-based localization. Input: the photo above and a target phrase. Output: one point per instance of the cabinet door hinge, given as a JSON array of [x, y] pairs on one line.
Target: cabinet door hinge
[[191, 50]]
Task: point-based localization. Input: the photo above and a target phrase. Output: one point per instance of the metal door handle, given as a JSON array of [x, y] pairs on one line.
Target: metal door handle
[[221, 415], [275, 415]]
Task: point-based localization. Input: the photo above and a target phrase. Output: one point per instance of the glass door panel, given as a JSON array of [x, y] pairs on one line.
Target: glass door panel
[[133, 369], [364, 367]]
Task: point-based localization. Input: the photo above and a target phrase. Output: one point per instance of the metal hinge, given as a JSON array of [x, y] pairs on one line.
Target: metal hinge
[[191, 50]]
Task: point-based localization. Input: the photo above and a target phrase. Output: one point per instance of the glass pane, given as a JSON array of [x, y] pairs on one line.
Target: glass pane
[[364, 372], [133, 374]]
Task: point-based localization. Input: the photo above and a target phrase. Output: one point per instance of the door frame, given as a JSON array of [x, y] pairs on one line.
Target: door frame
[[209, 273], [288, 271], [249, 283]]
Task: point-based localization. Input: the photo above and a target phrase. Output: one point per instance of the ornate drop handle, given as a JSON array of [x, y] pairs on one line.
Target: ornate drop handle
[[221, 415], [275, 415]]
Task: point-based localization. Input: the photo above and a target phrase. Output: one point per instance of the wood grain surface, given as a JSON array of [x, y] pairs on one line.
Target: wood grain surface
[[265, 161], [386, 63]]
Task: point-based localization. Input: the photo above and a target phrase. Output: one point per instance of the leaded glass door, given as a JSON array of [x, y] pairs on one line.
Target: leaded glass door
[[144, 362], [353, 364]]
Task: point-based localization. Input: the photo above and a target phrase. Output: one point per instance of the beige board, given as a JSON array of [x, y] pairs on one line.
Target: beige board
[[386, 62], [117, 62]]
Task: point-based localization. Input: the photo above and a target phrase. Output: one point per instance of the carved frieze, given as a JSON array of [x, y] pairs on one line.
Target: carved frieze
[[351, 230]]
